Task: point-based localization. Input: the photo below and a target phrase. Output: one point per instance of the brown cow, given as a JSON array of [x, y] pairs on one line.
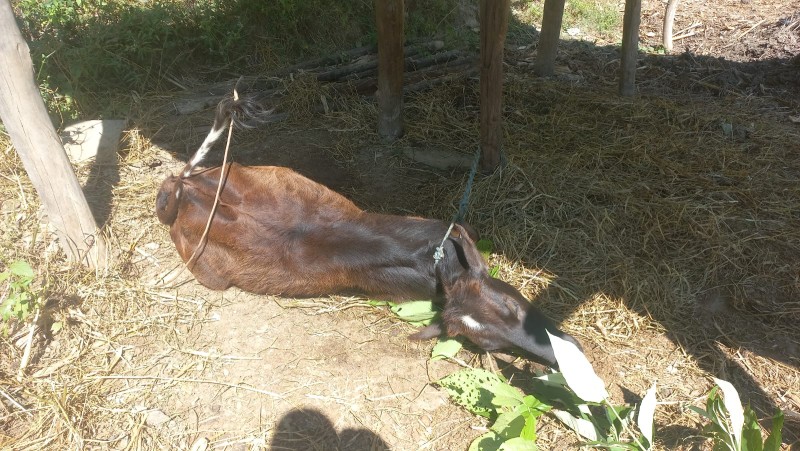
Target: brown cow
[[277, 232]]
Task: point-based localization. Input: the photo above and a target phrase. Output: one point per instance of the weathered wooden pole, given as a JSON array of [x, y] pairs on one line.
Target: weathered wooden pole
[[630, 47], [669, 19], [494, 25], [547, 49], [33, 135], [389, 22]]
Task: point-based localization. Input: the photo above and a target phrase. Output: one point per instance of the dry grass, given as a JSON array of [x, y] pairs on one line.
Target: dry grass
[[628, 220]]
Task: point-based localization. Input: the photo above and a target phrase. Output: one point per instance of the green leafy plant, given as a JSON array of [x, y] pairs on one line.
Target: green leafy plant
[[485, 247], [423, 313], [600, 17], [587, 409], [18, 300], [732, 428], [86, 50], [489, 395], [577, 388]]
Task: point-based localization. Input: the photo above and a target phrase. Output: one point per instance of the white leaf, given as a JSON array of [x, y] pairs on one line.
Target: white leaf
[[584, 428], [647, 409], [577, 371], [734, 406]]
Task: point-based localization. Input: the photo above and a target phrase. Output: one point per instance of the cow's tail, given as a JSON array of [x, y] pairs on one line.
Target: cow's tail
[[245, 112]]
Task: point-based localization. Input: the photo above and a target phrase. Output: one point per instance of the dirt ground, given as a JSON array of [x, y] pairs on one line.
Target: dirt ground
[[232, 370]]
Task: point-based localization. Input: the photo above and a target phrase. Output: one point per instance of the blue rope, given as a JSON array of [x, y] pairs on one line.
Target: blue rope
[[462, 207]]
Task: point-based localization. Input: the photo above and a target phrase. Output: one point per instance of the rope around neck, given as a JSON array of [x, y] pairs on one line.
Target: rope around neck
[[462, 207]]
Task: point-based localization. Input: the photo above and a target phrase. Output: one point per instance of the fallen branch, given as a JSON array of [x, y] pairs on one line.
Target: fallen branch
[[684, 36]]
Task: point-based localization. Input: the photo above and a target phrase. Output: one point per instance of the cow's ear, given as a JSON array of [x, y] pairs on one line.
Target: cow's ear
[[469, 251], [168, 200]]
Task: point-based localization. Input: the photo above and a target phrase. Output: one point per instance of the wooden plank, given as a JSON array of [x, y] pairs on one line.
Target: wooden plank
[[630, 47], [494, 25], [547, 49], [389, 22], [34, 137]]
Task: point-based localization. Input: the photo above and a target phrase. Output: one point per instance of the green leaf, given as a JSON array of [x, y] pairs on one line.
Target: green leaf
[[509, 424], [529, 431], [751, 432], [552, 388], [376, 303], [773, 443], [504, 395], [613, 445], [553, 379], [518, 444], [6, 310], [700, 412], [584, 428], [418, 313], [494, 271], [534, 404], [617, 417], [447, 348], [468, 389], [489, 441], [485, 247], [21, 269], [56, 326]]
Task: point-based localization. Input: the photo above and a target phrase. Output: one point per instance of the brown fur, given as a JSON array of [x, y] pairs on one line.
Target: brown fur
[[277, 232]]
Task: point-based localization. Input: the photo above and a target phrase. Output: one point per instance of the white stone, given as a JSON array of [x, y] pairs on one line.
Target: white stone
[[85, 140]]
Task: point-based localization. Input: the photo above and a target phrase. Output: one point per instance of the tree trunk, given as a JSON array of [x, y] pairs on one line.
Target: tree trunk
[[630, 47], [33, 135], [548, 37], [494, 25], [389, 22]]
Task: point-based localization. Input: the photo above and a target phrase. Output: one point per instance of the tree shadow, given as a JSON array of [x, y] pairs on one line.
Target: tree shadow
[[104, 175], [306, 429]]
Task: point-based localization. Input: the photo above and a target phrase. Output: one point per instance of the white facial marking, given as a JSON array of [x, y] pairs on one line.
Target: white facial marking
[[471, 323], [212, 137]]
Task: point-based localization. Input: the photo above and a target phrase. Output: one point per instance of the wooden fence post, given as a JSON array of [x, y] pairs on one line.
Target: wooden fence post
[[389, 22], [630, 47], [34, 137], [547, 49], [494, 26]]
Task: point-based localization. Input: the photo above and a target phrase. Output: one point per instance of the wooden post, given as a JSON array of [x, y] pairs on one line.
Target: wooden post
[[494, 25], [389, 22], [34, 137], [669, 19], [630, 47], [549, 36]]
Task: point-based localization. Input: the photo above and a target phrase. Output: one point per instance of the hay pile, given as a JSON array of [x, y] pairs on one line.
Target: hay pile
[[656, 200]]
